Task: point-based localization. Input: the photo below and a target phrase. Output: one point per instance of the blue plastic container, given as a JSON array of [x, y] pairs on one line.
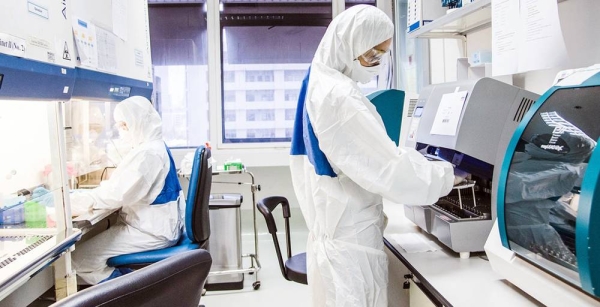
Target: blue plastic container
[[12, 215]]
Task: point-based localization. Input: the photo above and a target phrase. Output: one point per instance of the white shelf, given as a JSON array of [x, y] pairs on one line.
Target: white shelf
[[457, 24], [477, 15]]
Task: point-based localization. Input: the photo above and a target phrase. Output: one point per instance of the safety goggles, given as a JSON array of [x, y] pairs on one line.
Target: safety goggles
[[121, 126], [373, 56]]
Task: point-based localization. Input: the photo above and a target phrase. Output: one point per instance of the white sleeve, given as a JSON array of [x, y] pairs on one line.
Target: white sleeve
[[353, 141], [131, 182]]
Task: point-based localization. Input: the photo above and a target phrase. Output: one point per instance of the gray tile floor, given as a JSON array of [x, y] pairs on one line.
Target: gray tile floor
[[274, 289]]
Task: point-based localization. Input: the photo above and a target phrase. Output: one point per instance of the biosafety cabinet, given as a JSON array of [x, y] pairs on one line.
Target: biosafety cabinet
[[35, 224], [63, 67], [546, 240]]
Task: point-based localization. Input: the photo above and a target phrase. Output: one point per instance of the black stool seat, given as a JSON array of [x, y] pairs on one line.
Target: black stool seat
[[296, 268]]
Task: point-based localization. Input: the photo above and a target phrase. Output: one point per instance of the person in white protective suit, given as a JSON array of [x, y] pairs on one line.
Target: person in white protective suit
[[144, 185], [343, 163]]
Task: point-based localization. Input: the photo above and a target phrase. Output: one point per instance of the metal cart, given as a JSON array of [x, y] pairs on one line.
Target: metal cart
[[254, 262]]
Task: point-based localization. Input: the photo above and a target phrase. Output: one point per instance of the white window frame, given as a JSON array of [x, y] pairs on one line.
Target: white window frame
[[252, 154]]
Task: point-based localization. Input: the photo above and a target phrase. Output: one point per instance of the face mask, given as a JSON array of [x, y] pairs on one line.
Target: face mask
[[126, 137], [363, 74]]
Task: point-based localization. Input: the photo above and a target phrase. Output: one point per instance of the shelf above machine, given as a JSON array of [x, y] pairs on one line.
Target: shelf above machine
[[460, 22]]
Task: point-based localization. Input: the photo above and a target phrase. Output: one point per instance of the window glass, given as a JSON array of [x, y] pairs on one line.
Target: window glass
[[294, 75], [268, 47], [229, 96], [178, 42], [259, 76], [292, 95], [260, 95], [260, 115], [290, 114], [229, 115], [229, 76]]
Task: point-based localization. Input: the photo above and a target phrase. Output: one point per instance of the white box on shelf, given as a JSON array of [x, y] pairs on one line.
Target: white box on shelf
[[480, 57]]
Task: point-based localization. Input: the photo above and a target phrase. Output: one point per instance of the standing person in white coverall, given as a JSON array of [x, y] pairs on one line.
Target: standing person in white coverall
[[145, 187], [343, 162]]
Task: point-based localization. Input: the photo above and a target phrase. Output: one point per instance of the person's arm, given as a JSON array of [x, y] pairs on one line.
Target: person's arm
[[354, 142], [131, 182]]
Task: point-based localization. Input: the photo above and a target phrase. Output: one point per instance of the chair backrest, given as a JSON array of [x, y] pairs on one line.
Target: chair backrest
[[175, 281], [197, 223], [266, 207]]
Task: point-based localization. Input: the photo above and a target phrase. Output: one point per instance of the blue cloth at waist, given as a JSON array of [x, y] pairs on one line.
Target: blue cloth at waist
[[304, 140], [171, 189]]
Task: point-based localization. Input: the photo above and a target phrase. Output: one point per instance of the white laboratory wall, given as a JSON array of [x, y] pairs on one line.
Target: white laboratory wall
[[122, 35], [580, 23], [39, 30]]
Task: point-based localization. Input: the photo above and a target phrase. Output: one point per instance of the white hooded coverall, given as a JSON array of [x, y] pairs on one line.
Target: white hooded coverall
[[343, 162], [144, 186]]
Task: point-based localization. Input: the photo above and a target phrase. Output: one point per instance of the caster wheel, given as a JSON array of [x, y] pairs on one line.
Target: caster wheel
[[250, 273], [256, 285]]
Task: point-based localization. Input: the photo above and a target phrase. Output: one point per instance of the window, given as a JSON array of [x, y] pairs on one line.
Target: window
[[260, 115], [290, 114], [292, 95], [229, 96], [289, 132], [229, 115], [178, 45], [273, 54], [230, 133], [229, 76], [294, 75], [259, 76], [261, 95], [260, 133]]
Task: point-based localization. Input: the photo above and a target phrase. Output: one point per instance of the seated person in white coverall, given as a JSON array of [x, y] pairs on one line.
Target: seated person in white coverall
[[343, 163], [144, 185]]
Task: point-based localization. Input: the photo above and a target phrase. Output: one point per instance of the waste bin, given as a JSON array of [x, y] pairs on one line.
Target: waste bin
[[225, 242]]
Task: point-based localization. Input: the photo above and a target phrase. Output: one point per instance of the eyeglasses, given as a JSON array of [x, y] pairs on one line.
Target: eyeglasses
[[373, 56]]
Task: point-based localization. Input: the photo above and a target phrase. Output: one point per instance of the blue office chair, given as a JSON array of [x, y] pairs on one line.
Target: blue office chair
[[197, 225], [161, 284], [294, 268]]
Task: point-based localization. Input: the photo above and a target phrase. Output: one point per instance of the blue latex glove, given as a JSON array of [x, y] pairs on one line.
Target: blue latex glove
[[42, 196]]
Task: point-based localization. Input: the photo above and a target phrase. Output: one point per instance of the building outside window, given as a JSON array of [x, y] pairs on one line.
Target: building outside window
[[294, 75], [290, 114], [260, 133], [268, 47], [260, 95], [260, 115], [229, 115], [259, 76], [292, 95]]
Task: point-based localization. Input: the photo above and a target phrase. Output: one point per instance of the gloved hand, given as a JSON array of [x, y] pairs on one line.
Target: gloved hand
[[459, 176], [81, 202], [42, 196]]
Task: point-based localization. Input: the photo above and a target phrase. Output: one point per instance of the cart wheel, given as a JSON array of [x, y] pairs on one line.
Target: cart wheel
[[256, 285]]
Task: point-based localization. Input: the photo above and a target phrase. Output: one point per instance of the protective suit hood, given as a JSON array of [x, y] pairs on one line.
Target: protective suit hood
[[141, 118], [351, 34]]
